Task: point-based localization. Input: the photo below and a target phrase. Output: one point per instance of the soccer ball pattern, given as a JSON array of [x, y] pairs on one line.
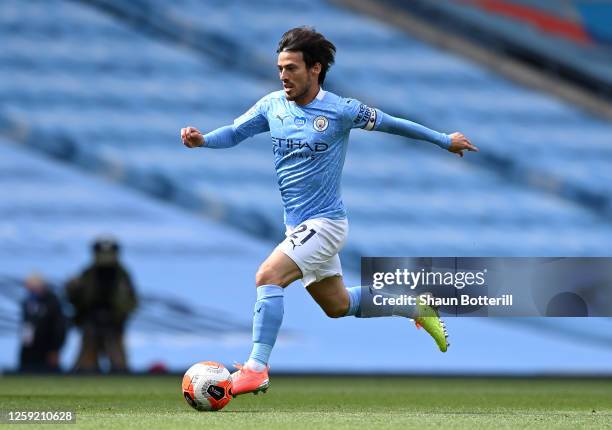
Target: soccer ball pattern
[[207, 386]]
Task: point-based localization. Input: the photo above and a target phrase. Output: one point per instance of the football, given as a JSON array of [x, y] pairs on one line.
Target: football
[[207, 386]]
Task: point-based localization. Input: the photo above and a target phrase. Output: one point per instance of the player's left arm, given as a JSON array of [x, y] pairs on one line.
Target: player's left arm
[[369, 118], [454, 142]]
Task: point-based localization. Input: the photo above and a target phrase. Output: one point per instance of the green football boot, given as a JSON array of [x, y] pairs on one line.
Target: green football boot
[[430, 320]]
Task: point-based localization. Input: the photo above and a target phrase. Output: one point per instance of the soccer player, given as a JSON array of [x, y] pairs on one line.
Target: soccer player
[[310, 129]]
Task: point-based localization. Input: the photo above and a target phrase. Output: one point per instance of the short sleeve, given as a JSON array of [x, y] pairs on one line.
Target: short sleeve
[[359, 115]]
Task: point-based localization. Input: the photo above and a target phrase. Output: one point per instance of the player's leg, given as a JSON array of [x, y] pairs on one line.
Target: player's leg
[[337, 301], [305, 248], [331, 295], [327, 288], [277, 269], [274, 274]]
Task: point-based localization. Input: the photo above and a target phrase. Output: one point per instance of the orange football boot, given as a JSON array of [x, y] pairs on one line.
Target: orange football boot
[[246, 380]]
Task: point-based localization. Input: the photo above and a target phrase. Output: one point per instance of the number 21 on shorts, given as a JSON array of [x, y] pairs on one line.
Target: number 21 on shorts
[[301, 235]]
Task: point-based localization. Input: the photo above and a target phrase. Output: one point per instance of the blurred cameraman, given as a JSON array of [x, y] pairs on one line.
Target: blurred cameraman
[[43, 328], [103, 297]]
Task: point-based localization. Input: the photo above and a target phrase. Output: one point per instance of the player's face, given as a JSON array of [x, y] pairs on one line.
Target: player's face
[[298, 80]]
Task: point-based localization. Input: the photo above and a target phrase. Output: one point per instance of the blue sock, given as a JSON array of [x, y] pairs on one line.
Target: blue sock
[[355, 308], [354, 301], [267, 319]]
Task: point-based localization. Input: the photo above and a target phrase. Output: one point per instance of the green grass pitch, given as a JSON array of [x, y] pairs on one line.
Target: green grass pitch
[[315, 403]]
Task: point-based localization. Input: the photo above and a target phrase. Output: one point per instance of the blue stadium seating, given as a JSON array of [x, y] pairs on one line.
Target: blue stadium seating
[[116, 108], [591, 59], [91, 88]]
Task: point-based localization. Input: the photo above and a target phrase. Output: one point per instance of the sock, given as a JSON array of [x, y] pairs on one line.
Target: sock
[[267, 319], [354, 294], [356, 309]]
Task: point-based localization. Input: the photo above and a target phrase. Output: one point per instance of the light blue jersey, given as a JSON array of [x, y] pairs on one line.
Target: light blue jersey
[[309, 145]]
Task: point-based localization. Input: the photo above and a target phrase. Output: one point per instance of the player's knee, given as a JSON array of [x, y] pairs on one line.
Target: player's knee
[[335, 311], [268, 276]]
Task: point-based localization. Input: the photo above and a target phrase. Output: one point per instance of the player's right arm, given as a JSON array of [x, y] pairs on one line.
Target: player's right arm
[[192, 137], [252, 122]]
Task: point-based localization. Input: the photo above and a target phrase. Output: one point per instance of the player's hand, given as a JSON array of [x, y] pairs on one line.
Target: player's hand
[[460, 143], [192, 137]]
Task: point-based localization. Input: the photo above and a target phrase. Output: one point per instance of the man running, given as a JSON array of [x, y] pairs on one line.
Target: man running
[[310, 130]]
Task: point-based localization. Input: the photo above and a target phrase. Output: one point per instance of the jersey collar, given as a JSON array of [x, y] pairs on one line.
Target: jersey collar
[[318, 97], [320, 94]]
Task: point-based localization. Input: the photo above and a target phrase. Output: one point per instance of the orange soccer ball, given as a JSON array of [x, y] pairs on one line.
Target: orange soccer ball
[[207, 386]]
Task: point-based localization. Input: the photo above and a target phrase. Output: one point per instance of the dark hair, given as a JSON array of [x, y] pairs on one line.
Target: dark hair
[[315, 48]]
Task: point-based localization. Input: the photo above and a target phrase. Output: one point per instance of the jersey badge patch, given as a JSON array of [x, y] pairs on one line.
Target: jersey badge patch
[[320, 123]]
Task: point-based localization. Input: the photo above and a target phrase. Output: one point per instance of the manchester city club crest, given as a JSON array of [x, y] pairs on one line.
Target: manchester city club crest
[[320, 123]]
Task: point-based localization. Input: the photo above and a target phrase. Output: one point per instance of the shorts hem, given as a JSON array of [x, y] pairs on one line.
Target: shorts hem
[[318, 279]]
